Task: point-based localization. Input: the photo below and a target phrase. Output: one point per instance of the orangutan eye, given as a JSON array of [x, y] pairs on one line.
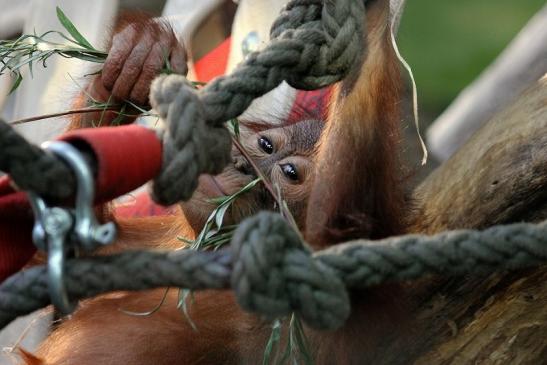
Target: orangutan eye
[[266, 145], [290, 171]]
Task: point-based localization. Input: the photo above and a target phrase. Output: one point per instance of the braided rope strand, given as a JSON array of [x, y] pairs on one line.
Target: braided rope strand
[[277, 274], [32, 168]]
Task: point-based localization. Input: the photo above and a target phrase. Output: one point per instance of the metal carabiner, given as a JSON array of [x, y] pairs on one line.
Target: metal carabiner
[[55, 226], [89, 233]]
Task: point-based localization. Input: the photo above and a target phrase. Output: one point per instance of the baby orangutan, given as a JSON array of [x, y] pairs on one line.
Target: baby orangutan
[[354, 190], [283, 154]]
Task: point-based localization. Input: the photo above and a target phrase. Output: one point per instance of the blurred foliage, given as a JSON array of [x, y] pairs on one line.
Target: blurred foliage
[[449, 43]]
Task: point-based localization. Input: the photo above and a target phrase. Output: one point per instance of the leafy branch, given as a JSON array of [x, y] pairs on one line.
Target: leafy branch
[[33, 48], [296, 350], [214, 234]]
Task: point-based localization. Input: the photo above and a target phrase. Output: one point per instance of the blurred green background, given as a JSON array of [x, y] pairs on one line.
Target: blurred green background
[[449, 43]]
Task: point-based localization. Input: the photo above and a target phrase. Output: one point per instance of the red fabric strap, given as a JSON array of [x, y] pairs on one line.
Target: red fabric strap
[[214, 63], [310, 105], [127, 157], [16, 246]]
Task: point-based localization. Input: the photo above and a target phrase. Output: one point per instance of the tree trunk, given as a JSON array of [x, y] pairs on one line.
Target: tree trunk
[[497, 177]]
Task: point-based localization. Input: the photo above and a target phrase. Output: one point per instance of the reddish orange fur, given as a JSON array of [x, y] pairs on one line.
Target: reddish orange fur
[[29, 358], [355, 194], [358, 151]]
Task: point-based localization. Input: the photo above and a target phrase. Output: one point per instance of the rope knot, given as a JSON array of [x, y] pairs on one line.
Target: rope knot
[[192, 145], [274, 274], [314, 43]]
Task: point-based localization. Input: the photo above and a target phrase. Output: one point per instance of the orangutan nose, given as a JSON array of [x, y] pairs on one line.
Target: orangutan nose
[[243, 166]]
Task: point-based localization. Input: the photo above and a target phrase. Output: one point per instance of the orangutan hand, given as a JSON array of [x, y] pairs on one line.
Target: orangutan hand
[[139, 52]]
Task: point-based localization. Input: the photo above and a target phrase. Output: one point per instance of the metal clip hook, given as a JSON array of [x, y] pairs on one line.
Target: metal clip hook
[[89, 233], [54, 225]]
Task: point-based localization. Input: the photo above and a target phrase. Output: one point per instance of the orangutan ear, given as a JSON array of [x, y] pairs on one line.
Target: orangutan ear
[[395, 12]]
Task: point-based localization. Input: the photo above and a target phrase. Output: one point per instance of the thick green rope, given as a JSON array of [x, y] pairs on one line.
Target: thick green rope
[[273, 273]]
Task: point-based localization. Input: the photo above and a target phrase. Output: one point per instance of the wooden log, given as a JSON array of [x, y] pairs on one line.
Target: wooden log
[[499, 176]]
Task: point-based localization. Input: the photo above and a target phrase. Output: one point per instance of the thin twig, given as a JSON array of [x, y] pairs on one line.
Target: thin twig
[[255, 167], [68, 112], [285, 212]]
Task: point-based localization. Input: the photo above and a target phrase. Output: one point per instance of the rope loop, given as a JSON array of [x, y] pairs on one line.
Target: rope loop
[[296, 14], [191, 146], [274, 274]]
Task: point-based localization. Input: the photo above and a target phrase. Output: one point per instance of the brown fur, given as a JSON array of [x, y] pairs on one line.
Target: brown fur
[[358, 155], [357, 152], [355, 194]]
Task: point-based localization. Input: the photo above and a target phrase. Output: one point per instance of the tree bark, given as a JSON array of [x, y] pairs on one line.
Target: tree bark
[[497, 177]]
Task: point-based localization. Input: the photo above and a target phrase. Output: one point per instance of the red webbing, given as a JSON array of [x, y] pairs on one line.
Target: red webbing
[[310, 105], [127, 157], [214, 63], [16, 246]]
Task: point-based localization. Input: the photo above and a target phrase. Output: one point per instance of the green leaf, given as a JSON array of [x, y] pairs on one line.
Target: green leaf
[[218, 200], [213, 225], [220, 243], [212, 232], [167, 69], [28, 60], [220, 215], [249, 186], [198, 83], [301, 341], [69, 26], [233, 127], [98, 72], [150, 312], [30, 66], [184, 295], [82, 56], [185, 240], [120, 117], [273, 342], [16, 83]]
